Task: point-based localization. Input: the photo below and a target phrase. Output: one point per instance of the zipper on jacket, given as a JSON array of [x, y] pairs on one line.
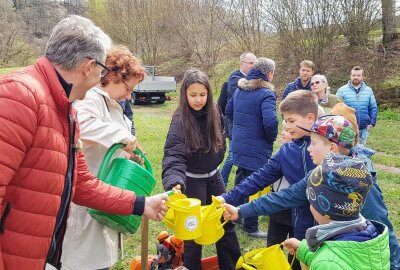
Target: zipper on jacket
[[303, 155], [54, 254], [4, 217]]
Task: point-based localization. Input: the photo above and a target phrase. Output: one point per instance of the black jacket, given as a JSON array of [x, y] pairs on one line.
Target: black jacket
[[177, 160], [223, 97]]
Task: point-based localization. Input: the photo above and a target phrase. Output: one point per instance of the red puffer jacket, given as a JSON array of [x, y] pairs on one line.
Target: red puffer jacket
[[37, 179]]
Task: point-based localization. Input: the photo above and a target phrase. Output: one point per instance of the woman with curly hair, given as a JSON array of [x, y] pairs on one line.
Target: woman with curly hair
[[87, 243]]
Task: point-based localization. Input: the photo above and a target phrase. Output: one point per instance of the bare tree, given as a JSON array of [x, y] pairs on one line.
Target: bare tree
[[139, 24], [14, 48], [306, 29], [245, 22], [356, 19], [389, 21], [199, 24]]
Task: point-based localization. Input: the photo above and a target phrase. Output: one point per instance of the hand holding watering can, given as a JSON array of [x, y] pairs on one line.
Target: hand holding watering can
[[291, 244], [155, 207], [231, 212]]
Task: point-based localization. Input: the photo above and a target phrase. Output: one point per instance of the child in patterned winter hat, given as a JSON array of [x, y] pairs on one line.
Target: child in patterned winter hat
[[336, 191]]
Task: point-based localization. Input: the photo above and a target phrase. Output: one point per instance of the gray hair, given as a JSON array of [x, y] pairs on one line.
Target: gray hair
[[243, 56], [321, 77], [75, 38], [265, 65]]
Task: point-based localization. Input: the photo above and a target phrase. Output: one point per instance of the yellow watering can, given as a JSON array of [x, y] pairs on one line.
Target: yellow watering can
[[270, 258], [187, 218], [169, 216], [260, 193], [212, 229]]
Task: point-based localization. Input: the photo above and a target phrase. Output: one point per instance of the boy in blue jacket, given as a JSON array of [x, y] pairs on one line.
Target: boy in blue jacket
[[295, 195], [291, 160]]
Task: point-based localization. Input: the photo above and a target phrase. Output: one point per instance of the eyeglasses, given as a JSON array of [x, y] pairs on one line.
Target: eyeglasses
[[316, 82], [105, 69], [250, 63], [127, 87]]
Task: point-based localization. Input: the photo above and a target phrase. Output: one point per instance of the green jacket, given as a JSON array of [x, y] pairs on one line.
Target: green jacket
[[349, 255]]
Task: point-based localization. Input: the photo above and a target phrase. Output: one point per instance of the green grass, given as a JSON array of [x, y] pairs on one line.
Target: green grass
[[385, 137], [386, 159], [390, 185], [7, 70]]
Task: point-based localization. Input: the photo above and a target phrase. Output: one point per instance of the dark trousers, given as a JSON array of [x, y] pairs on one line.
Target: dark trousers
[[250, 224], [279, 228], [228, 250]]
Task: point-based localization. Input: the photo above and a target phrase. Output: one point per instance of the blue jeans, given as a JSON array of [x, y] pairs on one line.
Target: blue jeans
[[226, 169], [364, 136]]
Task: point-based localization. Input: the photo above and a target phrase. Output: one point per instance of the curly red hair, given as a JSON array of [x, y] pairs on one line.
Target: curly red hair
[[123, 66]]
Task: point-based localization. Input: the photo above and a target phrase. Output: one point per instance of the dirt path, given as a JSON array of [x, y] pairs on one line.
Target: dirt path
[[389, 169]]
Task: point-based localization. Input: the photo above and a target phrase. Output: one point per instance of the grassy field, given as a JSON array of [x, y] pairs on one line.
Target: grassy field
[[152, 123]]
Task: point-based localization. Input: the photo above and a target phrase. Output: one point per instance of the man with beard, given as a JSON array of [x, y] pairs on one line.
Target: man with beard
[[358, 95], [307, 69]]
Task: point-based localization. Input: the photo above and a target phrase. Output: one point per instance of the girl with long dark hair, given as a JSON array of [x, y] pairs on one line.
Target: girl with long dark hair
[[193, 151]]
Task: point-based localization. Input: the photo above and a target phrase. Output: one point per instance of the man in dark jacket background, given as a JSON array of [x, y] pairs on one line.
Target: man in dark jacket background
[[307, 69], [252, 109], [247, 61]]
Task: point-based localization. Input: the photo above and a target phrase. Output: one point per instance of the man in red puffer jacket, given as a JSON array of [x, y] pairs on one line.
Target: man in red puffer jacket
[[41, 168]]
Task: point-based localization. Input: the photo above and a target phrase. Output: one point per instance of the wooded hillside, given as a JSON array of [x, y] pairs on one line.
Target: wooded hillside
[[211, 34]]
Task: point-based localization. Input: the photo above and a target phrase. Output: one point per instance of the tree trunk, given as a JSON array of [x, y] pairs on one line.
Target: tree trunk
[[389, 21]]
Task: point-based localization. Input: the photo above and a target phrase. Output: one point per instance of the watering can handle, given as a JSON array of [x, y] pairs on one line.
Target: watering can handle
[[248, 267], [104, 164], [147, 164], [223, 223], [215, 202]]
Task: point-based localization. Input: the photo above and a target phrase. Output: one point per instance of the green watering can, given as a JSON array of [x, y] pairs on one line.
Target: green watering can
[[126, 174]]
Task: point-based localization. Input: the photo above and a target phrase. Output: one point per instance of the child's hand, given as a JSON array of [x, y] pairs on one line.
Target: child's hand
[[231, 212], [291, 244], [176, 188], [221, 199]]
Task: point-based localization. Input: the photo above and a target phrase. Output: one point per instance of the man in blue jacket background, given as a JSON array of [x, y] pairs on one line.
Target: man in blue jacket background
[[252, 109], [307, 69], [358, 95]]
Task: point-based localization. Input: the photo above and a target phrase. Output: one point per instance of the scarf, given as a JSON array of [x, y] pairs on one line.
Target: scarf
[[317, 235], [325, 99]]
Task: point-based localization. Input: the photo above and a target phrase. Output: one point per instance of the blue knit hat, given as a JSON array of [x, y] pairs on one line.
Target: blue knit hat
[[338, 187]]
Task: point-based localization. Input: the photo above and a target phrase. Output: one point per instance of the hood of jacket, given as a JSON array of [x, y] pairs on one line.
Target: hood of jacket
[[251, 85]]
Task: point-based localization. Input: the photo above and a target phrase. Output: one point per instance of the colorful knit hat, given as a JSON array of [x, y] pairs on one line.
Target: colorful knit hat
[[336, 128], [338, 187]]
